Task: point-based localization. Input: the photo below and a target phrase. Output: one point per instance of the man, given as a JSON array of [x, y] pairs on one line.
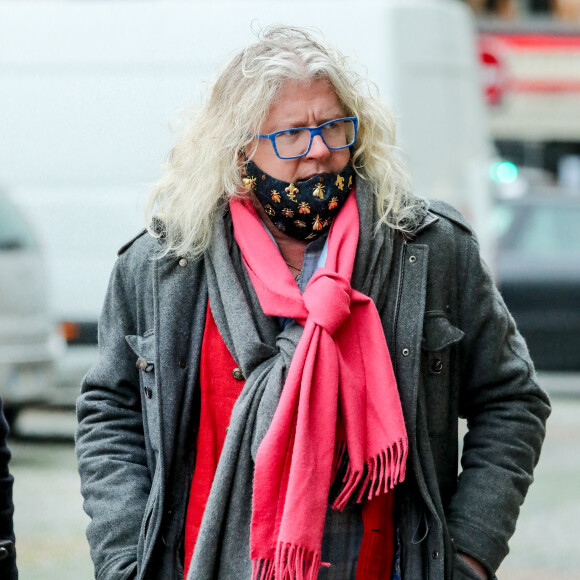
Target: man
[[285, 353], [7, 553]]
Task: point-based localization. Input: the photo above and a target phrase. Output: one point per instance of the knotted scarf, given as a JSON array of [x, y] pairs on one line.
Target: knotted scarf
[[339, 399]]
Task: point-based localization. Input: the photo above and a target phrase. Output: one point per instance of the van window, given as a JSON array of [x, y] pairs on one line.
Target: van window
[[14, 231]]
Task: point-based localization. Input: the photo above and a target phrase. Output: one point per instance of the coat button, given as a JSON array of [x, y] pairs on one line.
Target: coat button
[[238, 374], [412, 259], [183, 262], [436, 366], [143, 365], [435, 555], [182, 363], [406, 352], [148, 392]]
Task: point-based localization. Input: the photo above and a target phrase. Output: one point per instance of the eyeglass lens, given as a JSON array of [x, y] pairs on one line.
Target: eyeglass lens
[[295, 142]]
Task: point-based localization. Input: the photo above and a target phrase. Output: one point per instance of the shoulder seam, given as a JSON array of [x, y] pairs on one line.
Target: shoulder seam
[[126, 246], [449, 212]]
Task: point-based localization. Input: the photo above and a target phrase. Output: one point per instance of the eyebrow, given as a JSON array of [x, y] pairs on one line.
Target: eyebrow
[[319, 121]]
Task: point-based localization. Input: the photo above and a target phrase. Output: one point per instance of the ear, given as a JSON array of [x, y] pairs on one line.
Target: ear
[[249, 150], [242, 160]]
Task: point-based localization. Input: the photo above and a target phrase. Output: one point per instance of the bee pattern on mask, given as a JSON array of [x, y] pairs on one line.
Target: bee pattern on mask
[[319, 191], [291, 190], [249, 182], [349, 182], [305, 209]]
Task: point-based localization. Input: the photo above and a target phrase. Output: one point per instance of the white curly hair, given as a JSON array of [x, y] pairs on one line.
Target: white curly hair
[[203, 169]]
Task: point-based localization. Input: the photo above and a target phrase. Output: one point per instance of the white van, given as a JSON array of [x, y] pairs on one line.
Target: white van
[[28, 342], [89, 92]]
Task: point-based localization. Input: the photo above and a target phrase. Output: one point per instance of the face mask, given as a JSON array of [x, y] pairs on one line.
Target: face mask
[[303, 210]]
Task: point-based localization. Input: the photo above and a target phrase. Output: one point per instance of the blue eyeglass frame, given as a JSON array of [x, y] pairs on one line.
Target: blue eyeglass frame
[[313, 132]]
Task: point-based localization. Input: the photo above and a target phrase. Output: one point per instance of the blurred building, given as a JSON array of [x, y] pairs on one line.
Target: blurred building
[[568, 10], [530, 54]]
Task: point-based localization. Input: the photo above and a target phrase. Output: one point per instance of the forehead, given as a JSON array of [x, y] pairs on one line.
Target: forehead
[[303, 103]]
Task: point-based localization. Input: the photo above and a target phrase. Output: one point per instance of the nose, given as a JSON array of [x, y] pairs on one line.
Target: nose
[[318, 149]]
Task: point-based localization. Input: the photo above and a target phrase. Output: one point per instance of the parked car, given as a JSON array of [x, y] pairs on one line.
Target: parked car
[[538, 273], [29, 344]]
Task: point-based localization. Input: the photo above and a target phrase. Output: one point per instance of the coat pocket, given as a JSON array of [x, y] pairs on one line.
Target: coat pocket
[[144, 348], [463, 571], [150, 521], [439, 335]]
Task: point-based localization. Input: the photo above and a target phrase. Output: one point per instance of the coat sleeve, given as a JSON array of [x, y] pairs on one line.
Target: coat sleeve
[[8, 556], [110, 442], [506, 412]]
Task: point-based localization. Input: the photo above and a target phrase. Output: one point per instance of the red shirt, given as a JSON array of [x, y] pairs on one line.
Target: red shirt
[[219, 391]]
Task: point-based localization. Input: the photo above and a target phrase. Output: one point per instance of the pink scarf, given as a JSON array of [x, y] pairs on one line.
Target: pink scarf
[[340, 394]]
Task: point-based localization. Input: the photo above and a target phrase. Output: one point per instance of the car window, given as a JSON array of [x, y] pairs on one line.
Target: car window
[[550, 230], [502, 218], [14, 232]]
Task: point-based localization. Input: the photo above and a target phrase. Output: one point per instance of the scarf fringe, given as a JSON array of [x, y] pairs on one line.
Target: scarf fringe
[[382, 473], [291, 563], [262, 569]]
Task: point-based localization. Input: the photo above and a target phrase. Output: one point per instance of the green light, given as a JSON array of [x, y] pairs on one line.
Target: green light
[[503, 172]]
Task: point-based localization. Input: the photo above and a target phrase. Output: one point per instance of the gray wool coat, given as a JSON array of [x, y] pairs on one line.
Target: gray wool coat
[[456, 353]]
